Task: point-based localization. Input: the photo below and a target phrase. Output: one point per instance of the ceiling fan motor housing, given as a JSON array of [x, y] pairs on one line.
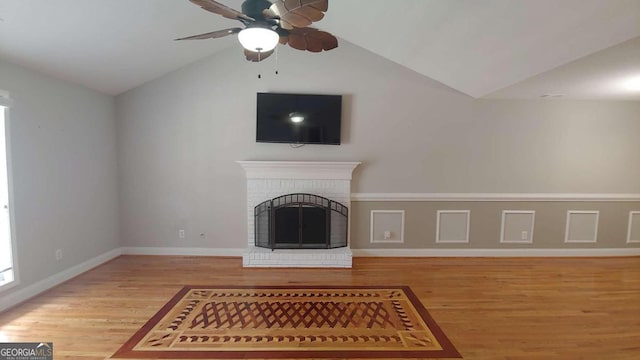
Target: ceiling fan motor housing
[[254, 8], [269, 22]]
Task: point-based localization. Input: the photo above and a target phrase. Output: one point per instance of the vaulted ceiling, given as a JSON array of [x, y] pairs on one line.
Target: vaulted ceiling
[[483, 48]]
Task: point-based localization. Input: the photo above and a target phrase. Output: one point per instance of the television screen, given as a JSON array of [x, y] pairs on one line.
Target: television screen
[[299, 118]]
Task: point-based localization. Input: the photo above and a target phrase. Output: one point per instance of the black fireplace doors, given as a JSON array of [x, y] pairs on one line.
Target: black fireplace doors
[[300, 221]]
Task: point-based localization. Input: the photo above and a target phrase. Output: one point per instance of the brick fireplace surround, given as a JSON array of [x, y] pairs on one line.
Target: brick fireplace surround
[[269, 179]]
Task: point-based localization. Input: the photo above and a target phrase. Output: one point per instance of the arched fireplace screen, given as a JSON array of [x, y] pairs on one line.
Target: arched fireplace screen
[[301, 221]]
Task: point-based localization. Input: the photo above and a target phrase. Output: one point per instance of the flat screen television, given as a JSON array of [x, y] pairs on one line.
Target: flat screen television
[[298, 118]]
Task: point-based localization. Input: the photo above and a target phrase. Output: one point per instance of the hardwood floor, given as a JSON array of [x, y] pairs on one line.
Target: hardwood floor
[[490, 308]]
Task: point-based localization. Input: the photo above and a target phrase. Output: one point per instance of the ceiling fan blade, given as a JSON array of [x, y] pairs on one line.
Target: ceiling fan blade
[[220, 9], [298, 13], [255, 56], [311, 39], [213, 34]]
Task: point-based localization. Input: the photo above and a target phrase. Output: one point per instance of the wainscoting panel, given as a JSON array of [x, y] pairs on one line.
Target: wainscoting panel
[[633, 234], [452, 226], [421, 224], [517, 226], [387, 226], [582, 226]]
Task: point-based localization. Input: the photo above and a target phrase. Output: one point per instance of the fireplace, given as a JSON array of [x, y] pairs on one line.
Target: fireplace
[[326, 183], [300, 221]]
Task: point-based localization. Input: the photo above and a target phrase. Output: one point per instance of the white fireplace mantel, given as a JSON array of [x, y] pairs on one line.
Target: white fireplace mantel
[[309, 170], [269, 179]]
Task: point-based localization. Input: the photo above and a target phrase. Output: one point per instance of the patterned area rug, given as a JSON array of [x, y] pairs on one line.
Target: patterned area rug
[[206, 322]]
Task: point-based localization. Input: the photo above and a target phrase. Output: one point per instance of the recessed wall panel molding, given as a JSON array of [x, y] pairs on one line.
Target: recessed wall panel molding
[[545, 229], [387, 226], [633, 234], [452, 226], [582, 226], [517, 226]]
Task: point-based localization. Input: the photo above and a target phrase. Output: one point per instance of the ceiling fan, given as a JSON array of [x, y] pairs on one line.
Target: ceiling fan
[[267, 22]]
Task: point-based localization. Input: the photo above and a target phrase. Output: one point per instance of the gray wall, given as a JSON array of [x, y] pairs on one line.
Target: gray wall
[[63, 149], [180, 135]]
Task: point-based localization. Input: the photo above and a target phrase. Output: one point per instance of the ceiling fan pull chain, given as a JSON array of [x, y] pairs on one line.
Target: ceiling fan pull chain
[[259, 52], [276, 60]]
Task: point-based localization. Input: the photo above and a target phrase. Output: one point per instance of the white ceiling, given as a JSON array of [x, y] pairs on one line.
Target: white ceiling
[[484, 48]]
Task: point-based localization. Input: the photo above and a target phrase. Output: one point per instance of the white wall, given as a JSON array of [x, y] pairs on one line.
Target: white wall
[[63, 150], [180, 135]]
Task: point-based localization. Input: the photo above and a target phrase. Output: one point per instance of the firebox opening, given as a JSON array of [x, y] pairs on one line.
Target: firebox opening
[[300, 221]]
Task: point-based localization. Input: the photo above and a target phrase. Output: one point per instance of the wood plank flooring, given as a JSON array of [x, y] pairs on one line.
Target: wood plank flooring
[[490, 308]]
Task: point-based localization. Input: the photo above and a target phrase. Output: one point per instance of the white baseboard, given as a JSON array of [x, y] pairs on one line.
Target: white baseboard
[[30, 291], [178, 251], [494, 252]]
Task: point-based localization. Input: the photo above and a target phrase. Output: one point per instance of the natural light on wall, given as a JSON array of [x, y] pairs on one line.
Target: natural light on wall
[[6, 259], [632, 84]]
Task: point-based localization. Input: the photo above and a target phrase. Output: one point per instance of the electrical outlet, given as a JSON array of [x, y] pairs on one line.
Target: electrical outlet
[[58, 254], [387, 235], [524, 235], [181, 233]]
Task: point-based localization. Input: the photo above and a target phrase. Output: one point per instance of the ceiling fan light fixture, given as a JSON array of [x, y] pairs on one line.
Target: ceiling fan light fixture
[[258, 39]]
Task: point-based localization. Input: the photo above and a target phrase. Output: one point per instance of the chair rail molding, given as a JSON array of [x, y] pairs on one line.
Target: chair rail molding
[[485, 197]]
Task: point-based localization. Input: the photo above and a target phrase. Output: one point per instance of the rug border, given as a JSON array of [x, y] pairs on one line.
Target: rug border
[[126, 351]]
